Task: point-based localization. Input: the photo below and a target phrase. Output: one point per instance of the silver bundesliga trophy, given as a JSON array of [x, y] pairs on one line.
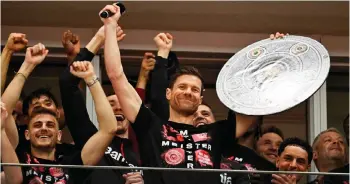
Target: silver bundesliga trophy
[[271, 76]]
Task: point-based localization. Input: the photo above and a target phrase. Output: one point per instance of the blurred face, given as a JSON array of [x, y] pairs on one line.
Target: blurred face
[[293, 158], [121, 121], [346, 129], [203, 116], [61, 120], [44, 102], [185, 95], [331, 146], [267, 146], [43, 132], [18, 114]]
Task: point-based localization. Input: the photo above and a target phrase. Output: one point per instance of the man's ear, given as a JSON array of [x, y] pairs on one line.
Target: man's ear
[[59, 136], [26, 134], [201, 100], [277, 161], [58, 114], [168, 93], [314, 155]]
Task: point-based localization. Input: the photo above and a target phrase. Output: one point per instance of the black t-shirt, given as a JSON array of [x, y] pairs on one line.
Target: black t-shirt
[[54, 175], [338, 179], [251, 160], [174, 145], [118, 153]]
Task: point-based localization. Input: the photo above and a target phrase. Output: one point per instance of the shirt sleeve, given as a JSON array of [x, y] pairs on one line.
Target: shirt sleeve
[[223, 136], [145, 122], [76, 116], [160, 82], [76, 175], [141, 93]]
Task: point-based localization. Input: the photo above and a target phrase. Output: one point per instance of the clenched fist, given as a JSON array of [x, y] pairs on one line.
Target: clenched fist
[[16, 42], [147, 64], [71, 43], [164, 41], [83, 70], [112, 20], [36, 54], [133, 178]]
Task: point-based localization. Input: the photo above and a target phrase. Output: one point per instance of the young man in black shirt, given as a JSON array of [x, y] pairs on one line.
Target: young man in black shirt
[[268, 143], [119, 151], [294, 154], [243, 152], [173, 143], [43, 131]]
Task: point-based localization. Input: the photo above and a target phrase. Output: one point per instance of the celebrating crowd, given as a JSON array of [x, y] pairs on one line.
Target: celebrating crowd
[[173, 128]]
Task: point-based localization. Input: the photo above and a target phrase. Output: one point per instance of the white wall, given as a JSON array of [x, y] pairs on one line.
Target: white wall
[[184, 41]]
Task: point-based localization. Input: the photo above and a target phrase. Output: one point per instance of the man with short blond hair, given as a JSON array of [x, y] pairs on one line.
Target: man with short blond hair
[[329, 151]]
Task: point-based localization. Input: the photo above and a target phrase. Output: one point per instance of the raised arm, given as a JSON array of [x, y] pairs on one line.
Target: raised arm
[[160, 81], [73, 102], [95, 147], [129, 99], [8, 154], [71, 45], [147, 65], [34, 56], [72, 99], [15, 42]]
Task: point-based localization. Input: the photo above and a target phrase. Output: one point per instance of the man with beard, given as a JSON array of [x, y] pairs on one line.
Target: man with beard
[[174, 143], [344, 169], [39, 98], [242, 151], [269, 142], [43, 130], [294, 154], [119, 151], [329, 152], [204, 116]]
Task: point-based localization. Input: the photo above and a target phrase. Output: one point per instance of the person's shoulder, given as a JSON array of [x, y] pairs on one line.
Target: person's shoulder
[[344, 169], [64, 149]]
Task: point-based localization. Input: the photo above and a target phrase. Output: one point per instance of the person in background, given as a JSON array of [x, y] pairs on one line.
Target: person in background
[[294, 154], [329, 152]]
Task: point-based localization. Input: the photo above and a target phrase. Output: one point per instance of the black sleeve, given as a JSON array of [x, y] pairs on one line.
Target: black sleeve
[[76, 115], [231, 116], [223, 136], [147, 127], [159, 78], [145, 122], [76, 175], [242, 178]]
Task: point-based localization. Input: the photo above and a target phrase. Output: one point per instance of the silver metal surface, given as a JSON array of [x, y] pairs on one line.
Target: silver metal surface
[[173, 169], [271, 76]]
